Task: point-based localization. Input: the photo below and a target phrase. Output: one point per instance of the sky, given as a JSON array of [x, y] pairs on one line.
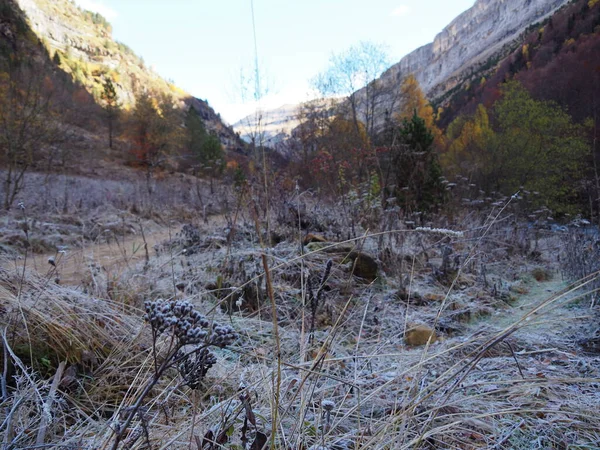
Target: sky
[[207, 46]]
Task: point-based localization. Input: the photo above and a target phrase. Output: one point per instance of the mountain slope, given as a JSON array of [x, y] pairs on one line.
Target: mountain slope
[[558, 60], [81, 44], [477, 38], [274, 126], [478, 34], [474, 41]]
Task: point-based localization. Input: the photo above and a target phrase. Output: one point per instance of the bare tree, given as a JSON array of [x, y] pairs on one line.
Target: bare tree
[[353, 75], [28, 124]]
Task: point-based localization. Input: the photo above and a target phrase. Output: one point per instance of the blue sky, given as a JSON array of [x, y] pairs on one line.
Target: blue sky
[[204, 45]]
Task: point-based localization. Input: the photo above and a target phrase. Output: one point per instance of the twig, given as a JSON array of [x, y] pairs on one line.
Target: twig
[[147, 255], [47, 407], [515, 358]]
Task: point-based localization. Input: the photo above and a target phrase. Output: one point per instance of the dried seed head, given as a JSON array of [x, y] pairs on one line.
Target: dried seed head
[[328, 405]]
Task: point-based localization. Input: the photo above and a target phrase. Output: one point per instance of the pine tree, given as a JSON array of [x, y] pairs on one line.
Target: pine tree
[[205, 148], [425, 186], [111, 106], [195, 132], [213, 158], [414, 101]]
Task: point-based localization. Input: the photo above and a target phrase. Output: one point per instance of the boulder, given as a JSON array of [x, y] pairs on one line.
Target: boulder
[[419, 335], [313, 238], [363, 266]]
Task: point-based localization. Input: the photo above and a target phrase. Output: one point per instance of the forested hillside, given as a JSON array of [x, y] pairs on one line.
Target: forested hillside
[[74, 101], [558, 67]]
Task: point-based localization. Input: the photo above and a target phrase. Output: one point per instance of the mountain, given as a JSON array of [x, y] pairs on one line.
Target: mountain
[[81, 44], [274, 126], [474, 42], [558, 60], [271, 126], [477, 37]]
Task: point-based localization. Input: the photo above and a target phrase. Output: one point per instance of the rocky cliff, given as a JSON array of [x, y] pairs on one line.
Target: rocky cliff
[[476, 39], [270, 126], [471, 39]]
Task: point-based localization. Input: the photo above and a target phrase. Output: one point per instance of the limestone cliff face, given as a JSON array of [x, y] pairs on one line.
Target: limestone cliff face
[[467, 43], [477, 38], [471, 39]]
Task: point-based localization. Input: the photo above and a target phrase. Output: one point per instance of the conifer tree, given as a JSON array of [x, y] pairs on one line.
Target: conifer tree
[[111, 106], [424, 174], [205, 148]]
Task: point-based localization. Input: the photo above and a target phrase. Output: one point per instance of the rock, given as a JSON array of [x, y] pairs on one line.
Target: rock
[[415, 298], [419, 335], [345, 249], [313, 238], [314, 246], [363, 265], [591, 344], [449, 327]]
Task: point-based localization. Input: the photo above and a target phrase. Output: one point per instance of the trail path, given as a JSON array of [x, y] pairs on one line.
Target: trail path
[[555, 325], [114, 255]]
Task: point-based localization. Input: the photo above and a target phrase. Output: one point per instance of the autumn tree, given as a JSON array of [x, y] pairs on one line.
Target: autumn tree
[[467, 141], [353, 75], [315, 118], [155, 131], [538, 148], [341, 160], [112, 107], [413, 101]]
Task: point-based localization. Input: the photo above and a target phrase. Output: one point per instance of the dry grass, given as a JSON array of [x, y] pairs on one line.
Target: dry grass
[[502, 374]]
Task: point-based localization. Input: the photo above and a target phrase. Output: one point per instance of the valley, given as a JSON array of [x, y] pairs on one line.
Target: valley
[[408, 261]]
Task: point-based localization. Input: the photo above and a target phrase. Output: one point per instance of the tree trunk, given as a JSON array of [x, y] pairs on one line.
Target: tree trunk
[[110, 132], [7, 188]]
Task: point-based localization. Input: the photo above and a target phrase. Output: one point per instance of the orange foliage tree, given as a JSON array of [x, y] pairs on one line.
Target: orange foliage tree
[[155, 132], [467, 140], [413, 101], [343, 157]]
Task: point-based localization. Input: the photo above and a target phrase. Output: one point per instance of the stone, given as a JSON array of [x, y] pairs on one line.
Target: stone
[[431, 297], [313, 238], [314, 246], [419, 335], [415, 298], [363, 266]]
